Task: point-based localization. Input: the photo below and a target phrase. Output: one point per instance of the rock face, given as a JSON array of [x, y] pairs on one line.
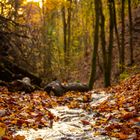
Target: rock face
[[10, 71], [59, 88]]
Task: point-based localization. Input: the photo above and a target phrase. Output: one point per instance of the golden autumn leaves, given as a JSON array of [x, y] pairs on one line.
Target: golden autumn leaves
[[118, 116], [122, 111]]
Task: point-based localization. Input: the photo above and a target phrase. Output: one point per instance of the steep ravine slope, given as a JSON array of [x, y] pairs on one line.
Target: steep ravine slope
[[136, 47], [85, 65]]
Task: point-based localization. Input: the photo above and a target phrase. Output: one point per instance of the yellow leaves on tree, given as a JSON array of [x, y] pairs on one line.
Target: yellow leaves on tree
[[51, 5]]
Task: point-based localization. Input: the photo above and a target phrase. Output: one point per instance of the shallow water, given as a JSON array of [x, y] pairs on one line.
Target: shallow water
[[69, 126]]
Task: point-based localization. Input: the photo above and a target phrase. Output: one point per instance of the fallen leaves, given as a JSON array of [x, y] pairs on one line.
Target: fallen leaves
[[120, 135], [2, 131], [20, 111], [85, 122], [128, 115], [117, 116], [124, 109], [18, 137]]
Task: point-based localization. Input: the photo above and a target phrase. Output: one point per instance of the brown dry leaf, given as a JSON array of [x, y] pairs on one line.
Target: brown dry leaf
[[128, 115], [73, 104], [126, 130], [136, 119], [7, 138], [119, 135], [50, 115], [85, 122], [18, 137], [113, 126]]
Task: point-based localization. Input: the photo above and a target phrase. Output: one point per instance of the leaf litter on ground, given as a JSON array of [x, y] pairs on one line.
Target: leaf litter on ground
[[112, 113]]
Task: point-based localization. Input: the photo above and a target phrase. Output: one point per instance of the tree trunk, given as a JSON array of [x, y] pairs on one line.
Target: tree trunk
[[122, 59], [64, 29], [103, 42], [96, 42], [68, 39], [66, 19], [107, 53], [116, 30], [110, 47], [69, 28], [130, 32], [60, 89]]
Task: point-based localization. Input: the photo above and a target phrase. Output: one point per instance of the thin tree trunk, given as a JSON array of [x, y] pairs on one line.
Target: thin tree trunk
[[103, 42], [116, 29], [68, 39], [122, 60], [110, 47], [69, 28], [96, 42], [66, 17], [130, 32], [64, 29]]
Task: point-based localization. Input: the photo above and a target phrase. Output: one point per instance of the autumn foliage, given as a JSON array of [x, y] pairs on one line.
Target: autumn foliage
[[122, 110], [118, 116]]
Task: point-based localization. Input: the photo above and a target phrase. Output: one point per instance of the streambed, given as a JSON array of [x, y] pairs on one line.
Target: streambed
[[72, 125]]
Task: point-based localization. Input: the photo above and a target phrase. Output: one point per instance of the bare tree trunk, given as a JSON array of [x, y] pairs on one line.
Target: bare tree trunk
[[96, 42], [107, 52], [110, 47], [69, 28], [66, 19], [64, 29], [68, 38], [116, 30], [130, 32], [122, 59], [103, 42]]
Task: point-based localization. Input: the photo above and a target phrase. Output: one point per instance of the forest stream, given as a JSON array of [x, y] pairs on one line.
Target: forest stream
[[72, 124], [100, 114]]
